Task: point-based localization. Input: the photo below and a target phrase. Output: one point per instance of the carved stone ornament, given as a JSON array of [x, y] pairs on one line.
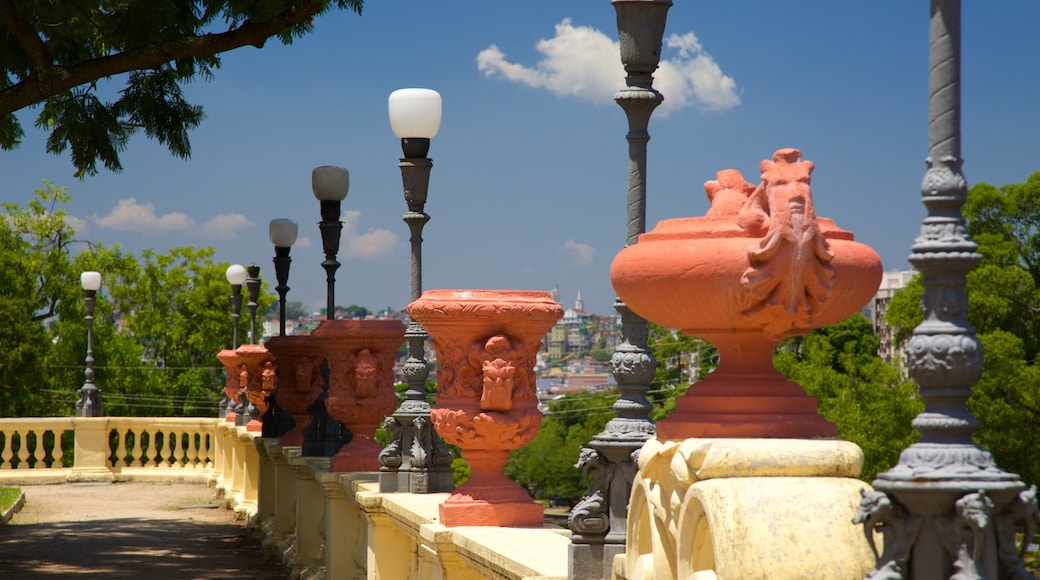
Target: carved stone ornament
[[486, 343], [758, 268], [231, 361], [299, 380], [361, 392], [257, 376]]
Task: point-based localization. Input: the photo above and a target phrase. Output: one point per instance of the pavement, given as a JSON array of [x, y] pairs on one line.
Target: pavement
[[129, 530]]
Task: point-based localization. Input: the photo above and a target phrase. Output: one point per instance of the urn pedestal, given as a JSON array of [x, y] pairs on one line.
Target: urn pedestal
[[486, 343], [257, 375], [231, 361], [361, 356], [299, 380], [745, 479]]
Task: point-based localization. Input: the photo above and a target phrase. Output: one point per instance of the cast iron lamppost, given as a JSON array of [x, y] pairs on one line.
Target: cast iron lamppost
[[946, 510], [416, 460], [598, 521], [253, 287], [89, 404], [283, 234], [245, 411], [330, 185], [236, 276], [324, 436]]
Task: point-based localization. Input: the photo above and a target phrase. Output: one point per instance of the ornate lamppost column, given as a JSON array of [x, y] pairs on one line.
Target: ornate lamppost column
[[416, 460], [609, 464], [89, 404], [246, 410], [324, 436], [253, 288], [283, 234], [236, 276], [946, 509], [330, 185]]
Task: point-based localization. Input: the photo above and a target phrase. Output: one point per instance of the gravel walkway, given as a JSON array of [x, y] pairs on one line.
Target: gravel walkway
[[129, 530]]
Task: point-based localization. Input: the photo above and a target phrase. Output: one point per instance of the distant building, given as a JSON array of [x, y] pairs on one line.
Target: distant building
[[890, 283]]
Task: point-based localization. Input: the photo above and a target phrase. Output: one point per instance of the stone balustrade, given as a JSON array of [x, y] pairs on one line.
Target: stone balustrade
[[319, 523]]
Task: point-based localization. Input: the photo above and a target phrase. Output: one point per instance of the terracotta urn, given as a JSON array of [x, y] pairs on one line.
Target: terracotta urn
[[229, 358], [361, 356], [757, 268], [486, 343], [257, 375], [299, 380]]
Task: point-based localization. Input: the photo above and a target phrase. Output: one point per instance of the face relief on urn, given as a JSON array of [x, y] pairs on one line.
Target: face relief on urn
[[486, 343], [759, 267]]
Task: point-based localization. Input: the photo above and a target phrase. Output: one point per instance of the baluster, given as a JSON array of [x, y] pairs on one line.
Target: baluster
[[156, 451], [5, 457], [30, 460], [177, 450], [120, 460], [206, 450], [138, 453], [193, 450], [23, 452], [57, 452], [162, 450]]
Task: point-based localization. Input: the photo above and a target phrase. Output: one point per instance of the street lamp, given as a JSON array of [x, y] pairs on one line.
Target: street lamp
[[236, 276], [330, 185], [283, 234], [598, 522], [253, 287], [89, 404], [416, 460]]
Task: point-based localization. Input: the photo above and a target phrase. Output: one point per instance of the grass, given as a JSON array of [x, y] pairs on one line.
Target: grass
[[8, 495]]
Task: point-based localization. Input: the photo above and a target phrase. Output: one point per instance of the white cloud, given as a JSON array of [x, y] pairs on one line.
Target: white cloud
[[580, 254], [130, 216], [303, 243], [225, 225], [583, 62], [371, 244]]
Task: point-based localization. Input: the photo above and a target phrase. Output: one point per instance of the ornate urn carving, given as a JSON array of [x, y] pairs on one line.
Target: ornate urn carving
[[299, 380], [486, 343], [257, 375], [758, 268], [361, 357], [229, 358]]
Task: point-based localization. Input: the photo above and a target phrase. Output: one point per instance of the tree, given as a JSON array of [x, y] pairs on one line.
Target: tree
[[1004, 309], [60, 54], [159, 320], [546, 465], [867, 399], [35, 242]]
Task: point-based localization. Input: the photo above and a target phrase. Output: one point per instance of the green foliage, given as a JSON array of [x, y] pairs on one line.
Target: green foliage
[[8, 495], [546, 465], [159, 320], [68, 59], [866, 398], [1004, 308]]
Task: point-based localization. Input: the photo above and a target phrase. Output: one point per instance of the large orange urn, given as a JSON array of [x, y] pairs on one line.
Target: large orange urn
[[758, 268]]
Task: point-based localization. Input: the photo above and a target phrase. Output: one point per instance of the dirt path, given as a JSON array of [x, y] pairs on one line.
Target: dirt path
[[129, 530]]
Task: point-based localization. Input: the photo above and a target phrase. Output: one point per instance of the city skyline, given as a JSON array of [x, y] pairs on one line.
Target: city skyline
[[529, 181]]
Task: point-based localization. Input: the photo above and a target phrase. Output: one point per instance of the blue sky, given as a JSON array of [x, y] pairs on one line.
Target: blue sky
[[528, 188]]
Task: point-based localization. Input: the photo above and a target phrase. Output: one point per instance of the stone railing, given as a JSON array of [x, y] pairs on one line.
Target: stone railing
[[320, 524], [55, 449], [324, 524]]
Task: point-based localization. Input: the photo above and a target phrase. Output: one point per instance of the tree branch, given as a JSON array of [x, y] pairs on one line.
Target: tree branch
[[53, 79], [27, 38]]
